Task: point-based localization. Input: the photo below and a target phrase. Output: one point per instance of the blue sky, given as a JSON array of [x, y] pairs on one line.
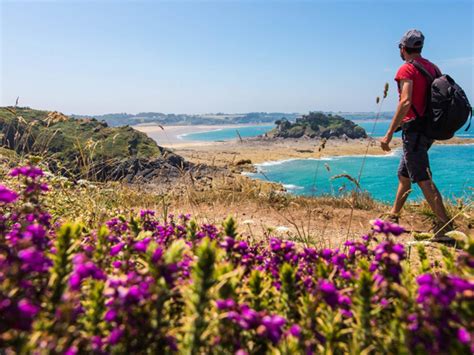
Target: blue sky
[[93, 57]]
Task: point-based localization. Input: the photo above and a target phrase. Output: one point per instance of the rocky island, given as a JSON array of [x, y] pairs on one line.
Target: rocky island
[[317, 125]]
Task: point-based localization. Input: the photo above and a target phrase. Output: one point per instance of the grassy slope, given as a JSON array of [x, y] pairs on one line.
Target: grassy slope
[[75, 143]]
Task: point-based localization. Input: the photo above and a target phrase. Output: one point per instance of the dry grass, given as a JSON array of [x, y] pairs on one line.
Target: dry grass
[[261, 209]]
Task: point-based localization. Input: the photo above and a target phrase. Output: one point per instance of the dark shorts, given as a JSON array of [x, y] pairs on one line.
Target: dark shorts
[[414, 163]]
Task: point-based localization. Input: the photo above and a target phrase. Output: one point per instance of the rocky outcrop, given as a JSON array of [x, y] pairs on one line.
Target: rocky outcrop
[[317, 125]]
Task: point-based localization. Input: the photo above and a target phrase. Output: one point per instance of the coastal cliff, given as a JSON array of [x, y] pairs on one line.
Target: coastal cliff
[[86, 148]]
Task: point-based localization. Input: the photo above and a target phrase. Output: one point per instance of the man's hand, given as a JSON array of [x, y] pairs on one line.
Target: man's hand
[[385, 141], [406, 88]]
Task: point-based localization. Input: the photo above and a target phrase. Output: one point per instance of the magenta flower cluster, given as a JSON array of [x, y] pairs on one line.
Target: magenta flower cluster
[[143, 285]]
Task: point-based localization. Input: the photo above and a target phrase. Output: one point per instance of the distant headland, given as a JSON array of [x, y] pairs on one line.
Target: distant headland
[[121, 119]]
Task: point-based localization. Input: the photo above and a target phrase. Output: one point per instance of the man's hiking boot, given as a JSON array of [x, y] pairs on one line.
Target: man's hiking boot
[[440, 229], [390, 217]]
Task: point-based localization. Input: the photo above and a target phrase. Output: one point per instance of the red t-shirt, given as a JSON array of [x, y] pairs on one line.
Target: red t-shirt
[[420, 85]]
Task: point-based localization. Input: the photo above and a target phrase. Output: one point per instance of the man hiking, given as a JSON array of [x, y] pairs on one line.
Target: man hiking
[[414, 164]]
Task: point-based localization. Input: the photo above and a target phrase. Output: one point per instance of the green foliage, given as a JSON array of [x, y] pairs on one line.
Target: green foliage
[[331, 327], [66, 242], [191, 230], [363, 335], [203, 278], [289, 291], [424, 261], [94, 309], [258, 290], [230, 227], [448, 259], [101, 247]]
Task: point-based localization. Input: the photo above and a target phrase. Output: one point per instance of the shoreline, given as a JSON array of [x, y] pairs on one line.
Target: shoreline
[[264, 151], [260, 150], [394, 152], [172, 136]]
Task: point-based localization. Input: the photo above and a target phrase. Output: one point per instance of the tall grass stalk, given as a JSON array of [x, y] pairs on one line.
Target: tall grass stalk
[[380, 103]]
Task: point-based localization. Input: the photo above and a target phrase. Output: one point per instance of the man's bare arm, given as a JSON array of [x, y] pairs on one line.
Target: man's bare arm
[[406, 88]]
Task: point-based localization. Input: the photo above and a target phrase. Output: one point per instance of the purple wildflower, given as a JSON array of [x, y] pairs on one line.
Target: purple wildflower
[[34, 260], [273, 326], [115, 336], [241, 246], [142, 245], [6, 195], [385, 227], [146, 213], [117, 248], [387, 258], [227, 243], [464, 336], [329, 293], [157, 255], [110, 315], [72, 350], [28, 171], [295, 330], [326, 254], [225, 304], [84, 268], [249, 317], [27, 309]]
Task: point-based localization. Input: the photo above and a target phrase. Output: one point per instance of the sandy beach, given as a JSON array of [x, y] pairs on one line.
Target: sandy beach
[[263, 150], [172, 136]]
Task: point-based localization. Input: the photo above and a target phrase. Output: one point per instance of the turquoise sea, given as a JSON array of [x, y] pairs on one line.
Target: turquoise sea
[[223, 134], [452, 166]]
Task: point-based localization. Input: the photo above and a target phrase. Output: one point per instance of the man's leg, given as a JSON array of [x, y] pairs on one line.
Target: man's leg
[[404, 188], [416, 146], [434, 199]]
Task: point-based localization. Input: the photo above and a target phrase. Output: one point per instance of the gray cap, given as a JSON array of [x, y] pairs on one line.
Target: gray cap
[[413, 39]]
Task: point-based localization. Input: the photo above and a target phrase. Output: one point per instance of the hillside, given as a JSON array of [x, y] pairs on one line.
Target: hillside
[[120, 119], [317, 124], [85, 148]]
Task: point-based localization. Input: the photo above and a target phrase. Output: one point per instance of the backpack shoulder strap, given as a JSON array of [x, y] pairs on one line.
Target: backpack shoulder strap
[[427, 75], [422, 70]]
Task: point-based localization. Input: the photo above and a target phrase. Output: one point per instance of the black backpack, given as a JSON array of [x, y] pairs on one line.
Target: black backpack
[[447, 109]]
